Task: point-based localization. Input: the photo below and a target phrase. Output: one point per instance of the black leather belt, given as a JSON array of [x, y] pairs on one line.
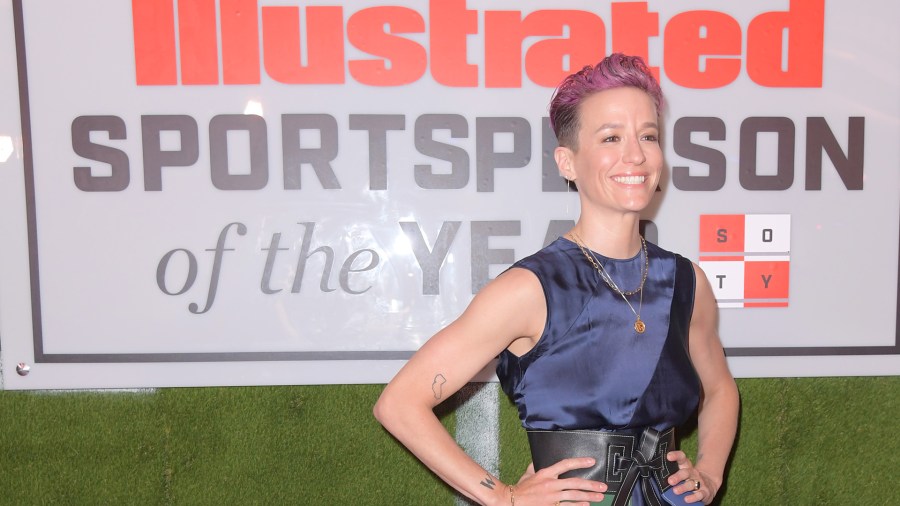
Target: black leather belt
[[622, 458]]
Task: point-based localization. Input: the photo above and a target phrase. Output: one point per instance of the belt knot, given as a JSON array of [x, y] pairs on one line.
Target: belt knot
[[646, 463]]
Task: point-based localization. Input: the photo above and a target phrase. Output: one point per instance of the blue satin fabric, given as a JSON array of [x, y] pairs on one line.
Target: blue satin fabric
[[591, 369]]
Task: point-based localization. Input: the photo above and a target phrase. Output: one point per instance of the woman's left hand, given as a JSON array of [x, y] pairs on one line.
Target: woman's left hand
[[699, 486]]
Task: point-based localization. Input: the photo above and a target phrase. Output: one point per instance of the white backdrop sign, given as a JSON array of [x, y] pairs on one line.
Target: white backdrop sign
[[232, 192]]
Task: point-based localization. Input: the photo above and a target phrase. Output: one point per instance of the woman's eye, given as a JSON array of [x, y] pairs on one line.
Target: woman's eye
[[611, 138], [651, 138]]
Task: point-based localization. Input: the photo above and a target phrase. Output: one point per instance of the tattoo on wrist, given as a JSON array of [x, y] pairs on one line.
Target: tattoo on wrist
[[437, 385], [488, 482]]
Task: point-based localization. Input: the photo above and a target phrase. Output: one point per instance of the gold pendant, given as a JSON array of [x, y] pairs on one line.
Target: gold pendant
[[639, 326]]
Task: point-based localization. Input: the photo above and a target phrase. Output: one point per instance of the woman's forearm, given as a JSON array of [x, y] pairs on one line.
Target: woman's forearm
[[717, 426], [423, 434]]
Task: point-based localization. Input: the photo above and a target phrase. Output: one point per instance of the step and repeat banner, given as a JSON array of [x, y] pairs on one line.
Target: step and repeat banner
[[241, 192]]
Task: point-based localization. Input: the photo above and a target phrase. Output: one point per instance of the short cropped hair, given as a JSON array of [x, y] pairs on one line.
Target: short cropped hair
[[615, 71]]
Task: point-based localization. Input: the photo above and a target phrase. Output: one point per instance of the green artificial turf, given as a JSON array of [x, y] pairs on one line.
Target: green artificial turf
[[815, 441]]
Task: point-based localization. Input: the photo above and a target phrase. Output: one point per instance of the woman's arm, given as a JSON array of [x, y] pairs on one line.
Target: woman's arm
[[509, 309], [718, 415]]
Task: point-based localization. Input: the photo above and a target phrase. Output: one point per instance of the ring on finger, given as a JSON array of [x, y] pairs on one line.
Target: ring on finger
[[696, 484]]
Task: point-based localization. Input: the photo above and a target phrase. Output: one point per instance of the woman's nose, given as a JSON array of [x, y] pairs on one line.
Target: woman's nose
[[634, 152]]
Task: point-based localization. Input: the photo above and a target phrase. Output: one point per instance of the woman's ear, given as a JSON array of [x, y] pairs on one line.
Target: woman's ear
[[563, 157]]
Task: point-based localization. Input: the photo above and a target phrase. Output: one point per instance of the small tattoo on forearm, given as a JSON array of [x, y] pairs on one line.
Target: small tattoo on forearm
[[488, 482], [437, 386]]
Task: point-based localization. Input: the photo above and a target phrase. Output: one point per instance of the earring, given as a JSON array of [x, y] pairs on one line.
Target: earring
[[568, 190]]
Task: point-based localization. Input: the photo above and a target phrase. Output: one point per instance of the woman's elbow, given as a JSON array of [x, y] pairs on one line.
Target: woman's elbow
[[382, 410], [378, 411]]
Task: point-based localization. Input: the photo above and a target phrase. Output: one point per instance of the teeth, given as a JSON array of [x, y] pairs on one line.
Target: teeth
[[630, 179]]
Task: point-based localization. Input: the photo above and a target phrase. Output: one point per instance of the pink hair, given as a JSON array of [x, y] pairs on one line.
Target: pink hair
[[615, 71]]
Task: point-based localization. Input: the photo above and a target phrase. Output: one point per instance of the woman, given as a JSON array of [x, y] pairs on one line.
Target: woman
[[605, 341]]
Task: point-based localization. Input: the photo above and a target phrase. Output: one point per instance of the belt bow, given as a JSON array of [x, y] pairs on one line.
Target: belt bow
[[646, 463]]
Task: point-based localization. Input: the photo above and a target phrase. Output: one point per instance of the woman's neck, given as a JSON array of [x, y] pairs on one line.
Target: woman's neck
[[611, 238]]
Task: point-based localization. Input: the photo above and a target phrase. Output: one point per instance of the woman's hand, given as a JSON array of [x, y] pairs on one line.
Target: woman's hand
[[689, 477], [546, 488], [529, 472]]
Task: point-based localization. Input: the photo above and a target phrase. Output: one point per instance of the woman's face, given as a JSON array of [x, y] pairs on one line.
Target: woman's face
[[618, 162]]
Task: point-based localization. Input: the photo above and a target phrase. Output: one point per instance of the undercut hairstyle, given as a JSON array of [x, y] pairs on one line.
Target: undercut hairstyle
[[615, 71]]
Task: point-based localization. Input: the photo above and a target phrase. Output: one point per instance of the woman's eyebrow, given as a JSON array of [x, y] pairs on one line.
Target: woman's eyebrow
[[608, 126], [613, 126]]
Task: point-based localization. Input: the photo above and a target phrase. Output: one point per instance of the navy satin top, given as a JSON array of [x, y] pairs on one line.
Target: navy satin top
[[591, 369]]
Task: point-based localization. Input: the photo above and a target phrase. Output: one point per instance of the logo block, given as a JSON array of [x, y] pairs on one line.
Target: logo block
[[746, 258]]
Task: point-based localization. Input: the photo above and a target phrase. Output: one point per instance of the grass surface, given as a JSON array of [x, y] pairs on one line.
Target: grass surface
[[815, 441]]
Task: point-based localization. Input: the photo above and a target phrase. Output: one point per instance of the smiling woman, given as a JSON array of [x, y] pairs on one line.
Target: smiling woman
[[605, 341], [616, 160]]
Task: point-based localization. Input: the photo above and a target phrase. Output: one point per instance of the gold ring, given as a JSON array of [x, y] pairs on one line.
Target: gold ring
[[696, 484]]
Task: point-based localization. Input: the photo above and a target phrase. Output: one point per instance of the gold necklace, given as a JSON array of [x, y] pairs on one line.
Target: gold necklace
[[639, 325]]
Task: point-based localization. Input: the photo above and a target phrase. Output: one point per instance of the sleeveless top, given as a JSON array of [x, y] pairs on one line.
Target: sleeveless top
[[590, 369]]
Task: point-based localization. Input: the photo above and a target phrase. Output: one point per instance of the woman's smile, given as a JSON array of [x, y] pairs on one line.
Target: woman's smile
[[636, 180]]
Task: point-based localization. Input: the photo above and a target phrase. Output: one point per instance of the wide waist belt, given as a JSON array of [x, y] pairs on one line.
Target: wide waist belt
[[622, 458]]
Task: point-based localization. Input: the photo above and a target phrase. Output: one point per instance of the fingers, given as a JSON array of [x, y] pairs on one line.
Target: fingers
[[566, 465], [687, 492], [678, 480], [687, 481], [545, 486], [685, 468], [695, 493], [574, 484], [689, 485], [570, 464], [680, 457], [570, 491]]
